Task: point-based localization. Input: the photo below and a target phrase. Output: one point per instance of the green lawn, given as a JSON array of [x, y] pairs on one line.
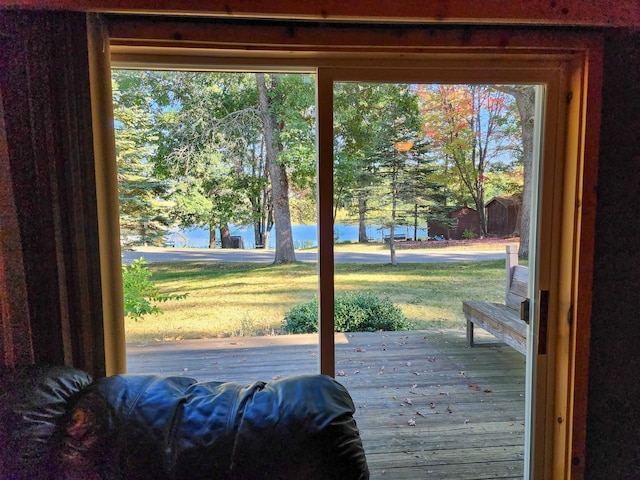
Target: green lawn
[[249, 299]]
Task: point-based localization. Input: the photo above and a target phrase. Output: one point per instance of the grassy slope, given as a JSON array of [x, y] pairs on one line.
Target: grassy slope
[[247, 299]]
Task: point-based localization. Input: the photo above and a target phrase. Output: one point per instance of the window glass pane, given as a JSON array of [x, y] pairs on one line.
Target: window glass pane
[[218, 224]]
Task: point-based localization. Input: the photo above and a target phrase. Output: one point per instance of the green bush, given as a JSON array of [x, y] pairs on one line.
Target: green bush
[[141, 295], [353, 312], [468, 234]]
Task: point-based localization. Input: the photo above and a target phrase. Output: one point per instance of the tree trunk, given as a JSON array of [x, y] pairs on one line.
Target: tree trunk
[[392, 230], [225, 236], [258, 235], [212, 236], [279, 182], [482, 218], [525, 97], [362, 221], [263, 222], [392, 244]]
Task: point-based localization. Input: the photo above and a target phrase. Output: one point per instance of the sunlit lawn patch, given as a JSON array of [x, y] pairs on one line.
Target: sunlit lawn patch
[[249, 299]]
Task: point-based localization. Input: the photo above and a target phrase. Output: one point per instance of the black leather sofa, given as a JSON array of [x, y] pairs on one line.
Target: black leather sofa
[[58, 423]]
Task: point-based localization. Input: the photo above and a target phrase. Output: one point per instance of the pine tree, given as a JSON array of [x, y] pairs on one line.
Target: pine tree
[[144, 209]]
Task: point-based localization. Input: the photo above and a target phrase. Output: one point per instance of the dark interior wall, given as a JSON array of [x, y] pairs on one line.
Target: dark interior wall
[[613, 422]]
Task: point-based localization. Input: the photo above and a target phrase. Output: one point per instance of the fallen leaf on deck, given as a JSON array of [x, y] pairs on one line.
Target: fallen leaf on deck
[[475, 387], [340, 373], [412, 422], [487, 390], [421, 414], [276, 377], [408, 401], [449, 409], [432, 405]]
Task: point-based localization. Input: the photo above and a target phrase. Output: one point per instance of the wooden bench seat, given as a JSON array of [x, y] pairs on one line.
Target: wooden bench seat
[[398, 236], [503, 320]]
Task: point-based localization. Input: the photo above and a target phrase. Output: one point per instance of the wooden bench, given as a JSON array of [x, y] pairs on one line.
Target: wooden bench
[[503, 321], [398, 236]]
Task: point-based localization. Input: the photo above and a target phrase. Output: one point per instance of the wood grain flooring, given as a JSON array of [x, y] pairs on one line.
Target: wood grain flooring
[[427, 406]]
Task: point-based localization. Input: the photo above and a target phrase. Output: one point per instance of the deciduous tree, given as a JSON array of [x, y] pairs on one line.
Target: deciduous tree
[[468, 126], [277, 171], [525, 97]]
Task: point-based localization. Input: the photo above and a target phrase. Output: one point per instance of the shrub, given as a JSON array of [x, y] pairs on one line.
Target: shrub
[[141, 295], [468, 234], [353, 312]]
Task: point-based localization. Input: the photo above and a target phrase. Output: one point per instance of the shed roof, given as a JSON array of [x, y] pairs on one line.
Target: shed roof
[[510, 201]]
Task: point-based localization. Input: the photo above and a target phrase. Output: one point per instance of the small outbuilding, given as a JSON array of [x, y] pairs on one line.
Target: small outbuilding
[[464, 218], [502, 215]]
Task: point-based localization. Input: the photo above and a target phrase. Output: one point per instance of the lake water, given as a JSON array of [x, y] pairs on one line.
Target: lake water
[[304, 236]]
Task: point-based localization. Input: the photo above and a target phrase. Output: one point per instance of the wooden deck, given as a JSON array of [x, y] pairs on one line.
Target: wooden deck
[[427, 406]]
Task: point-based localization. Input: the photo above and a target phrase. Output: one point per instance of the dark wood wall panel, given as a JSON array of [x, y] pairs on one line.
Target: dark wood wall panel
[[16, 346], [47, 116], [613, 435], [554, 12]]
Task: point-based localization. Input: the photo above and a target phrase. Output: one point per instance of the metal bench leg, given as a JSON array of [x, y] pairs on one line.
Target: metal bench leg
[[470, 333]]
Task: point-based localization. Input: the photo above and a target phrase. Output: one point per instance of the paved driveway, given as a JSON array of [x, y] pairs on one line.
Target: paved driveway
[[154, 254]]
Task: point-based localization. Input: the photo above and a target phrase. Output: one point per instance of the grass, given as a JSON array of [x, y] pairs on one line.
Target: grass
[[228, 299]]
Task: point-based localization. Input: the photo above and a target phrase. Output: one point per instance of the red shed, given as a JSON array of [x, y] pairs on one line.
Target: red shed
[[466, 219], [502, 215]]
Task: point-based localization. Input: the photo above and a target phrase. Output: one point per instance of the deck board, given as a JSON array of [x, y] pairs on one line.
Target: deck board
[[467, 403]]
